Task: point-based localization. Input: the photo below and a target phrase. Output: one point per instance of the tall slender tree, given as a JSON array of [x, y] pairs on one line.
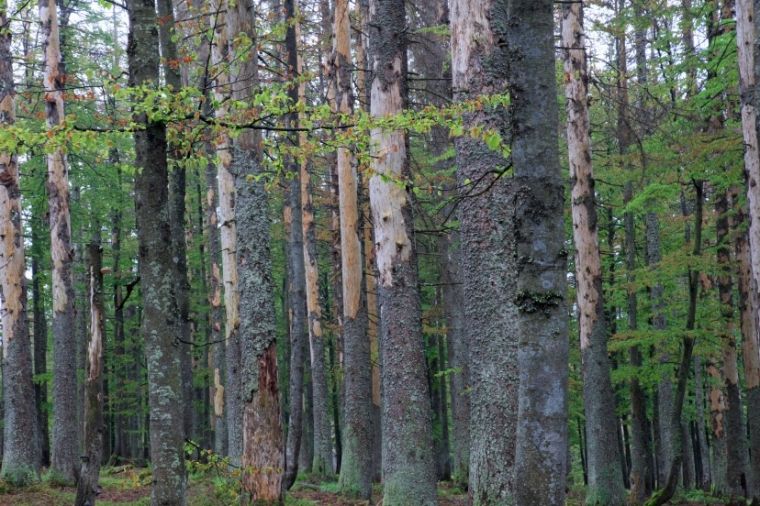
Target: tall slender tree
[[65, 438], [356, 463], [159, 325], [21, 452], [87, 485], [605, 484], [407, 453]]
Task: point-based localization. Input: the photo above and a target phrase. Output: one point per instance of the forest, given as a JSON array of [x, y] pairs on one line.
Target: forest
[[365, 252]]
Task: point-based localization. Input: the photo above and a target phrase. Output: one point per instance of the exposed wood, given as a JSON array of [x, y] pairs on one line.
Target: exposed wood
[[65, 436]]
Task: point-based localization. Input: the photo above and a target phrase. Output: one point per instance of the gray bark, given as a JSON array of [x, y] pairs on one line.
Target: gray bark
[[487, 270], [159, 325], [407, 452], [541, 261]]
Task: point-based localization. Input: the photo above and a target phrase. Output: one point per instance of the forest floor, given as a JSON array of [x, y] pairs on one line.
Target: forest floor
[[129, 485]]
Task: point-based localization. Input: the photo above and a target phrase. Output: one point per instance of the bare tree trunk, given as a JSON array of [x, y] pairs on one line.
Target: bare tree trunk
[[21, 452], [407, 454], [156, 270], [228, 231], [65, 440], [356, 463], [604, 460], [541, 260], [87, 486]]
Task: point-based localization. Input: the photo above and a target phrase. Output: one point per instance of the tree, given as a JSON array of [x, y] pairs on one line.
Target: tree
[[21, 452], [159, 325], [65, 440], [87, 483], [605, 485], [356, 462], [540, 257], [487, 269], [408, 464], [262, 457]]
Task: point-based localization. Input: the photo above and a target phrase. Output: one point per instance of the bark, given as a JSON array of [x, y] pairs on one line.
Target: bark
[[356, 463], [749, 67], [262, 457], [748, 37], [603, 453], [228, 232], [159, 325], [541, 262], [735, 429], [487, 270], [704, 450], [216, 312], [750, 346], [21, 452], [297, 316], [177, 190], [65, 437], [306, 454], [87, 485], [407, 457]]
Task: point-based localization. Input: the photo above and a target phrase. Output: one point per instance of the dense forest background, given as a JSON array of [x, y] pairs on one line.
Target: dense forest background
[[505, 247]]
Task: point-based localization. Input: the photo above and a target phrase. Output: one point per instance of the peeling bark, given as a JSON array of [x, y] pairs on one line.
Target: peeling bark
[[65, 437], [87, 485], [21, 452], [407, 453], [605, 485]]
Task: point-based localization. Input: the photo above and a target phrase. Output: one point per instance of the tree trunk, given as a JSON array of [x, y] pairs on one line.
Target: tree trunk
[[750, 347], [228, 233], [407, 453], [748, 37], [541, 261], [159, 323], [87, 486], [297, 330], [65, 440], [297, 316], [735, 428], [177, 190], [262, 456], [356, 461], [487, 269], [604, 458], [21, 452]]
